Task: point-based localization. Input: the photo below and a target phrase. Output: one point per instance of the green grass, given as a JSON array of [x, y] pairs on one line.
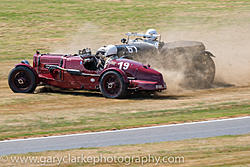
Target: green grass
[[116, 120], [26, 25]]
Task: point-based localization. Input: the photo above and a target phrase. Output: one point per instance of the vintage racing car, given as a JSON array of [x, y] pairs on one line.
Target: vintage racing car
[[187, 57], [113, 76]]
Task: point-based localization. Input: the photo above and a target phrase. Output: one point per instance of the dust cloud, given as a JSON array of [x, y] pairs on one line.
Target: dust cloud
[[87, 36], [230, 46]]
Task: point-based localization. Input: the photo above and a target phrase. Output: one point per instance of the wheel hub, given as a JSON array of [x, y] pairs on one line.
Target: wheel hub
[[110, 85], [21, 81]]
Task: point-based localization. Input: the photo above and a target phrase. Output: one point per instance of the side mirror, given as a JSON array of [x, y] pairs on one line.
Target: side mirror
[[123, 40]]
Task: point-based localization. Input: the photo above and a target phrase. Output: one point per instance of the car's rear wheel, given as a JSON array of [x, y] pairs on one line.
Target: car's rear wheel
[[22, 80], [206, 66], [202, 72], [112, 85]]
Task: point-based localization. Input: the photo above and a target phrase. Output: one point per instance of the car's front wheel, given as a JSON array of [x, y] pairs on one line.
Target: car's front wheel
[[112, 85], [22, 80]]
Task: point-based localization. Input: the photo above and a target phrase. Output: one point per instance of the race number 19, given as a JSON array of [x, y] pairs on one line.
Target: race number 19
[[123, 66]]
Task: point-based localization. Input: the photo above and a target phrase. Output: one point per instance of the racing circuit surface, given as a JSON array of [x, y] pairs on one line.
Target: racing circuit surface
[[233, 126]]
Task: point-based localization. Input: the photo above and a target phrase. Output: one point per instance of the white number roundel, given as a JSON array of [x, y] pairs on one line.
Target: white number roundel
[[124, 66], [131, 49]]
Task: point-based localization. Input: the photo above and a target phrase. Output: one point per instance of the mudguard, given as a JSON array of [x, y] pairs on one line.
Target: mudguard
[[209, 54], [122, 73], [24, 63]]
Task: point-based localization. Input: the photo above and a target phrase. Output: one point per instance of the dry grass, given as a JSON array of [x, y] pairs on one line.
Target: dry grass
[[48, 113], [28, 25]]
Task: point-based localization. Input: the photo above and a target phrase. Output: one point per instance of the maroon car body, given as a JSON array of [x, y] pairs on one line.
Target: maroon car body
[[70, 72]]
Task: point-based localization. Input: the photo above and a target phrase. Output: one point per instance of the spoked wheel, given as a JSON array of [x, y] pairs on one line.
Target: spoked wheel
[[22, 80], [112, 85], [208, 65], [203, 71]]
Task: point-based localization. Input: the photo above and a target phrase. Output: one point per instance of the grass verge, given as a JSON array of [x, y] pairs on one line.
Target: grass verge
[[118, 120]]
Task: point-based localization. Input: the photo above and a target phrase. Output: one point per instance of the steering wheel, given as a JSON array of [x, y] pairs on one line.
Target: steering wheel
[[99, 63]]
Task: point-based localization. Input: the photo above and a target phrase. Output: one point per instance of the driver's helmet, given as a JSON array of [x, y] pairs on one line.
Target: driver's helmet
[[107, 50], [110, 50], [151, 33], [101, 50]]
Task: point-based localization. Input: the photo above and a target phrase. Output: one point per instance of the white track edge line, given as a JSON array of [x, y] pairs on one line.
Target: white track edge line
[[122, 130]]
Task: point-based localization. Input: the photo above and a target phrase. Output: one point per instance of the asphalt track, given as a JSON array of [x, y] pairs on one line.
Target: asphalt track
[[232, 126]]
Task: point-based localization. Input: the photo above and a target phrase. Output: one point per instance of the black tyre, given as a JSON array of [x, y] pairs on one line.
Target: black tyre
[[112, 85], [22, 80], [202, 72], [208, 65]]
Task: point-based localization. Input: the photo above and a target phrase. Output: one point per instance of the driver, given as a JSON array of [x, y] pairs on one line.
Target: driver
[[106, 54], [151, 36]]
